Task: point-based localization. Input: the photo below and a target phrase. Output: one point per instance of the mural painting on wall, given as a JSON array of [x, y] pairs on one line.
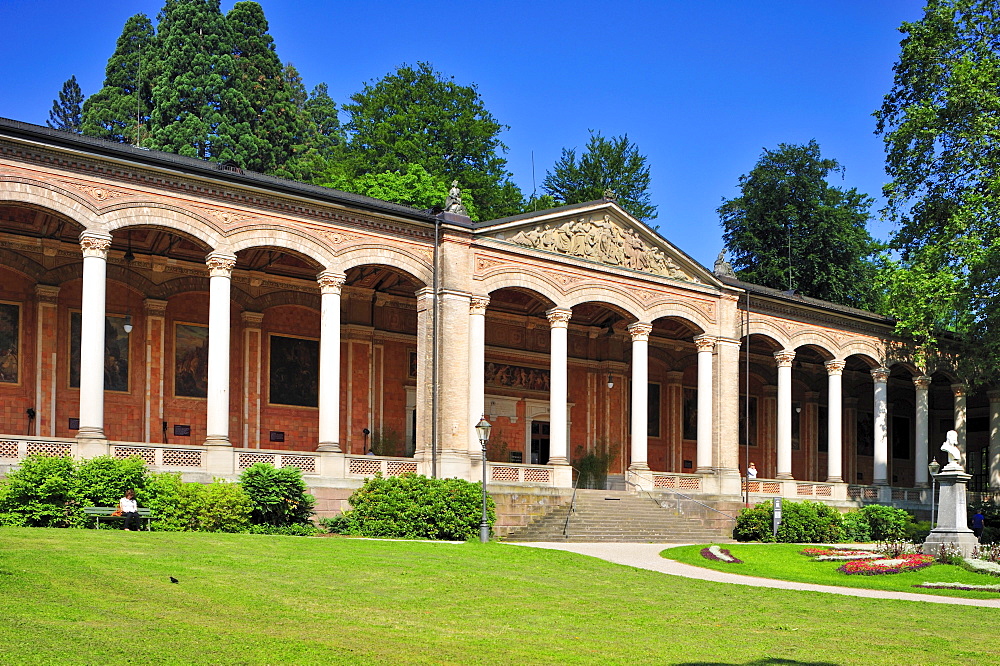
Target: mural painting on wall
[[115, 352], [866, 434], [10, 319], [294, 372], [690, 413], [748, 421], [190, 361], [516, 376], [411, 370]]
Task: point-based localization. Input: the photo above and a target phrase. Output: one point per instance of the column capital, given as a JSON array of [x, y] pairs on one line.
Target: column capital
[[47, 293], [732, 342], [784, 357], [155, 307], [330, 282], [994, 396], [220, 264], [959, 390], [705, 343], [559, 317], [640, 331], [880, 375], [478, 305], [922, 383], [835, 367], [95, 244], [252, 319]]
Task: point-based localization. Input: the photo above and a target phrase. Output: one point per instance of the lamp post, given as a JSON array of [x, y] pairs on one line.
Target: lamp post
[[933, 468], [483, 431]]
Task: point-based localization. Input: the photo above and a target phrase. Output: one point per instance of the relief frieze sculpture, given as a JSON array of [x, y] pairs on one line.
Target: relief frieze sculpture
[[600, 240]]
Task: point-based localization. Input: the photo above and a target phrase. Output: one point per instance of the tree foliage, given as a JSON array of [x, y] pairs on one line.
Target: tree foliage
[[66, 111], [124, 102], [791, 229], [941, 128], [614, 165], [416, 115]]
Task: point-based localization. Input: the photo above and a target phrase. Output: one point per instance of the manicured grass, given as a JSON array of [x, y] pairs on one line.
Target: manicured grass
[[784, 561], [104, 597]]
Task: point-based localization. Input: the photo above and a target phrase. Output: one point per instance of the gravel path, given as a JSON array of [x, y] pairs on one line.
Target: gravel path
[[647, 556]]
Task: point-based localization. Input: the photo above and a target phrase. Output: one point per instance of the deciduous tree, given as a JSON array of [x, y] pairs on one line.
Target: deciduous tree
[[941, 127], [791, 229]]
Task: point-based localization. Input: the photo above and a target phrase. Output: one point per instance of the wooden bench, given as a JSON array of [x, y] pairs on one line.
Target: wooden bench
[[105, 512]]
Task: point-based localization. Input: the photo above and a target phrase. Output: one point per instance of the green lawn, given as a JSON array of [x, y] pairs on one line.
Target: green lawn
[[784, 561], [104, 597]]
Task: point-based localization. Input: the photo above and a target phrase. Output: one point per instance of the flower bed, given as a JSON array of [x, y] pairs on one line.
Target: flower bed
[[960, 586], [838, 555], [719, 555], [884, 566]]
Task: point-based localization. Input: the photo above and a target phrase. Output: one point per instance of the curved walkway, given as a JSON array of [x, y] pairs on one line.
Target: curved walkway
[[647, 556]]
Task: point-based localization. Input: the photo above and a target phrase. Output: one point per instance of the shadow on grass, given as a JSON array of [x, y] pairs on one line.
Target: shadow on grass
[[759, 662]]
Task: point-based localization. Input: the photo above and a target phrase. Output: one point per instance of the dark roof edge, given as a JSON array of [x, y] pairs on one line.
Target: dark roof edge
[[153, 158], [798, 299]]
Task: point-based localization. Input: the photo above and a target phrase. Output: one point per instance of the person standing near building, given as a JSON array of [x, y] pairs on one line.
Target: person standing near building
[[130, 510], [751, 472], [977, 524]]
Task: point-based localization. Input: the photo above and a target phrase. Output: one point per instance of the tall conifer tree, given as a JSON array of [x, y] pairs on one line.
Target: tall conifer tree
[[112, 112], [65, 113], [192, 98]]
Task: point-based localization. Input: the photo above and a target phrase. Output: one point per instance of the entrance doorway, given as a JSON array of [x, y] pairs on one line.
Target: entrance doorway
[[539, 442]]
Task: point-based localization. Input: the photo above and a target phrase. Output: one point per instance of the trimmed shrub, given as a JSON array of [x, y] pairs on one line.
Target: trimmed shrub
[[302, 529], [163, 495], [225, 507], [41, 492], [414, 507], [917, 531], [801, 522], [102, 481], [277, 496], [856, 527], [883, 523]]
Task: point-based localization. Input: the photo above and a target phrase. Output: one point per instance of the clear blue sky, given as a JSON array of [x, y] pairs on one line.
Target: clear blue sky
[[701, 86]]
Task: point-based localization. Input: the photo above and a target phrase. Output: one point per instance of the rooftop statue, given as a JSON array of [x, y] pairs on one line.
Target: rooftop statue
[[722, 267], [453, 204]]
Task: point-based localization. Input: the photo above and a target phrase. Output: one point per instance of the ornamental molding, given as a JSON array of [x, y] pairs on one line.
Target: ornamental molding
[[959, 390], [559, 317], [705, 343], [478, 305], [799, 317], [640, 331], [48, 294], [95, 245], [94, 192], [784, 358], [486, 263], [835, 368], [600, 238], [331, 282], [220, 265], [880, 375], [922, 383], [226, 217]]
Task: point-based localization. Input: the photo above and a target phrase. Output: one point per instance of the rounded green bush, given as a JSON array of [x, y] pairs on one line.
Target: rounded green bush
[[801, 522]]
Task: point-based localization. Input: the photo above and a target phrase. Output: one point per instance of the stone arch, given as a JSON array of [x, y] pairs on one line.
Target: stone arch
[[907, 366], [610, 295], [520, 278], [183, 285], [174, 218], [688, 312], [819, 341], [132, 279], [20, 263], [294, 240], [278, 298], [946, 372], [769, 329], [870, 351], [67, 203], [408, 262]]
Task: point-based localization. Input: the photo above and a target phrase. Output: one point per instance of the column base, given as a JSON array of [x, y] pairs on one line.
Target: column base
[[90, 432], [217, 440], [834, 479], [92, 445], [639, 466], [559, 461], [329, 447], [880, 482], [785, 477], [705, 470]]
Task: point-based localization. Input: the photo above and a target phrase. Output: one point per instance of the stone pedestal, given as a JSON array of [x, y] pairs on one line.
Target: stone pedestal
[[952, 521]]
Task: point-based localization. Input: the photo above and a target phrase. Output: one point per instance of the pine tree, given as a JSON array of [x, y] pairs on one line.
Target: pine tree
[[192, 98], [65, 113], [126, 97], [322, 112]]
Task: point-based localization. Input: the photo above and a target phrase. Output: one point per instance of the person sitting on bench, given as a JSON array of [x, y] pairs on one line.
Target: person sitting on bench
[[130, 510]]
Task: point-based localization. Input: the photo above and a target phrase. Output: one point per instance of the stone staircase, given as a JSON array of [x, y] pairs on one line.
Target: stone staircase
[[621, 516]]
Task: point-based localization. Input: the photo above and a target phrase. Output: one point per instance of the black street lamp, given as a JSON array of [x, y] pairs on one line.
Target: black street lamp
[[933, 468], [483, 429]]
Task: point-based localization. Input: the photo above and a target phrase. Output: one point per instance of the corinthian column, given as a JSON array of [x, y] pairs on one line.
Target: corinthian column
[[477, 371], [640, 394], [559, 331], [95, 266], [220, 267], [835, 413], [784, 359], [881, 377], [921, 430], [330, 284], [706, 346]]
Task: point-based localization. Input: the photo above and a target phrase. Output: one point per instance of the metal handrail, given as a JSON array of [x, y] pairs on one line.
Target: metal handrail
[[674, 492], [572, 505]]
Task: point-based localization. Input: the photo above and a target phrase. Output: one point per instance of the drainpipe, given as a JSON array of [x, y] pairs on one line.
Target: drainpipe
[[436, 288]]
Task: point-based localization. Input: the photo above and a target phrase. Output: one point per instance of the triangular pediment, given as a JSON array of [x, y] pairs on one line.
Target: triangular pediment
[[603, 233]]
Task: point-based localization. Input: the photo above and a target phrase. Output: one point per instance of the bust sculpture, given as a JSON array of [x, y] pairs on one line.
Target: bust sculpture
[[950, 447]]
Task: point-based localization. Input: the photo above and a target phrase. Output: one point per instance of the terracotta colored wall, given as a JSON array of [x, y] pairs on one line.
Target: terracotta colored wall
[[15, 399]]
